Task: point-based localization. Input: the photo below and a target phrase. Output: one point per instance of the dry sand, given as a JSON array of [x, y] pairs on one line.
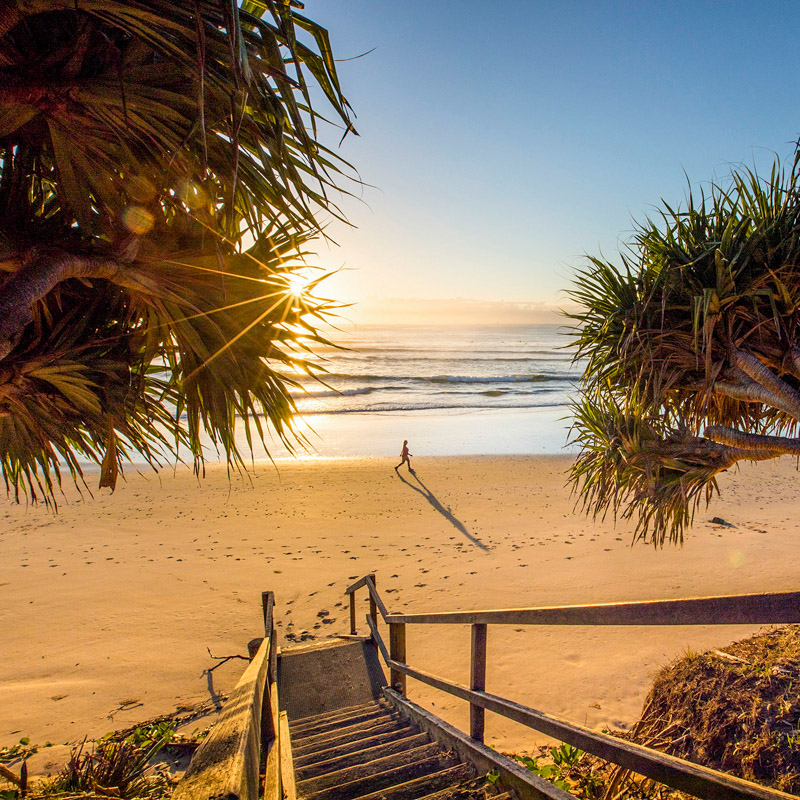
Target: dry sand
[[108, 608]]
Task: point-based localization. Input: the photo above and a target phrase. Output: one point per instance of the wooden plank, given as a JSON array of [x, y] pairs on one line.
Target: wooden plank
[[357, 585], [376, 637], [397, 652], [375, 599], [744, 609], [272, 771], [371, 588], [267, 605], [477, 680], [675, 772], [353, 615], [512, 775], [227, 763], [287, 763]]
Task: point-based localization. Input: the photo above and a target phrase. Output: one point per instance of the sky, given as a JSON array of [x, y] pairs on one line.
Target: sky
[[501, 142]]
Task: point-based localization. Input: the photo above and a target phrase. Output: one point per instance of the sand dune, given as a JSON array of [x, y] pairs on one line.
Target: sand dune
[[109, 607]]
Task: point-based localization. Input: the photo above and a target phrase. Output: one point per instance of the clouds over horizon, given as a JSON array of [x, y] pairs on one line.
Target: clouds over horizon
[[455, 311]]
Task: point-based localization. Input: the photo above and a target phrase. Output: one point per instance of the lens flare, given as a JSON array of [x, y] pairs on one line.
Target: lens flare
[[737, 559], [137, 219]]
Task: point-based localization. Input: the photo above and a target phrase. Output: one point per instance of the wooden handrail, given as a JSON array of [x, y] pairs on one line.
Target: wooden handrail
[[674, 772], [357, 585], [742, 609], [227, 763], [375, 602], [769, 608], [739, 609], [287, 761], [376, 598]]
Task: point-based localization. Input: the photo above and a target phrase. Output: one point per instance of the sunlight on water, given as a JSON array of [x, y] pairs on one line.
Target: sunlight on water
[[450, 391]]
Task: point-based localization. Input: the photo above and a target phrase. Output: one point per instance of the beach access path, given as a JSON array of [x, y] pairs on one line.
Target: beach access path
[[108, 608]]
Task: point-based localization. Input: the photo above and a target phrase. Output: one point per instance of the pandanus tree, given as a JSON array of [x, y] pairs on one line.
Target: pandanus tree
[[692, 352], [160, 177]]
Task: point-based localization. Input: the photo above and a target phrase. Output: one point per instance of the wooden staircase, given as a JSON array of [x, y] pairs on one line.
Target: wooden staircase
[[371, 752]]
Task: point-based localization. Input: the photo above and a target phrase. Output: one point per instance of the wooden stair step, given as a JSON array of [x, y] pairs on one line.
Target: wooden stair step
[[330, 725], [474, 789], [331, 739], [355, 772], [386, 780], [304, 722], [394, 733], [316, 767], [420, 787], [346, 728]]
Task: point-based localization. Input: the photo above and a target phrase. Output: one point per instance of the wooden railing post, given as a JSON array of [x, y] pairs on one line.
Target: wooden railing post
[[373, 609], [477, 679], [397, 652], [352, 613]]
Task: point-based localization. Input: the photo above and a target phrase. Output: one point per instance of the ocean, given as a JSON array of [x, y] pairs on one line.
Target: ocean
[[404, 369], [500, 390], [451, 391]]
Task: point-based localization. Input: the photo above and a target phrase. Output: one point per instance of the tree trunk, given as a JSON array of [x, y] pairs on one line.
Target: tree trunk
[[748, 391], [763, 447], [41, 271], [763, 375]]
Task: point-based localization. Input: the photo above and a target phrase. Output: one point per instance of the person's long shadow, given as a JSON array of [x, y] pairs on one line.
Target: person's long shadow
[[445, 512]]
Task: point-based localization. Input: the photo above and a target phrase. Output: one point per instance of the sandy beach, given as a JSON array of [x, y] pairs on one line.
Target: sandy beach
[[109, 607]]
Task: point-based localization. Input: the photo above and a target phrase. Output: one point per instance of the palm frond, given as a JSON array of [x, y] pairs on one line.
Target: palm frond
[[696, 328], [161, 179]]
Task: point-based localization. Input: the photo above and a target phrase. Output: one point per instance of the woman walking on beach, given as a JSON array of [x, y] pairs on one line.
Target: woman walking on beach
[[404, 457]]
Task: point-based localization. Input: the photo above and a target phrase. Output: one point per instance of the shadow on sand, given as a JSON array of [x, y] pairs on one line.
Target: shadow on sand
[[445, 512], [214, 695]]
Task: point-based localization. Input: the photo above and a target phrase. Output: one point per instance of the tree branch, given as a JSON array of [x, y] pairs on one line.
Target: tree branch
[[41, 271], [794, 360], [760, 447], [222, 659], [749, 391], [763, 375]]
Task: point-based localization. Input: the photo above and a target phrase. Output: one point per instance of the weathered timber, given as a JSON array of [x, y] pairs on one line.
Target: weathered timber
[[375, 600], [343, 748], [273, 789], [252, 647], [357, 585], [743, 609], [420, 786], [376, 638], [477, 679], [362, 770], [334, 741], [358, 729], [227, 763], [362, 755], [267, 605], [397, 652], [675, 772], [369, 714], [383, 780], [483, 758], [287, 765], [302, 726], [373, 593]]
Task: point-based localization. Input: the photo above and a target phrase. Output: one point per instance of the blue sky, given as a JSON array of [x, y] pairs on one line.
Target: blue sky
[[505, 140]]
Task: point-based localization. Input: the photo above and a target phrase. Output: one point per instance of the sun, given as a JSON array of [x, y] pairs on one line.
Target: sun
[[296, 284]]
